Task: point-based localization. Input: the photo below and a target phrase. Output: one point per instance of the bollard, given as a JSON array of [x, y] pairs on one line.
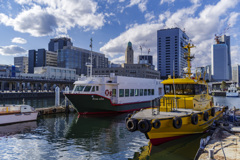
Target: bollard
[[211, 154], [57, 96]]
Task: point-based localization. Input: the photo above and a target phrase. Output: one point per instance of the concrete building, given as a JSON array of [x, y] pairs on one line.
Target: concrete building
[[208, 73], [56, 44], [8, 70], [129, 69], [221, 59], [170, 43], [21, 63], [41, 58], [236, 74], [146, 59], [76, 58], [129, 54]]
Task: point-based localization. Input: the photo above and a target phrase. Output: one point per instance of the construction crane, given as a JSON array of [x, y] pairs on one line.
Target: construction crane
[[223, 33]]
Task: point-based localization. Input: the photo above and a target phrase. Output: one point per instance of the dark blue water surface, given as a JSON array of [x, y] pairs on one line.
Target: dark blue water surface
[[65, 137]]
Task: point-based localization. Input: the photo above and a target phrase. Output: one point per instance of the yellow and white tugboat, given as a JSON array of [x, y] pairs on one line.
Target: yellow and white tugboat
[[186, 108]]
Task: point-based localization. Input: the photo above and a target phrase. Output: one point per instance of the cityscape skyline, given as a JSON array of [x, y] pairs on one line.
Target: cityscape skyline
[[112, 27]]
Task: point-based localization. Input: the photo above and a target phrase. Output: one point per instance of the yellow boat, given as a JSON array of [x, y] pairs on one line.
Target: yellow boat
[[186, 108]]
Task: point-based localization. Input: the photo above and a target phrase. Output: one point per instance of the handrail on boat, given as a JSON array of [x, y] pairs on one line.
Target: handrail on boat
[[161, 103]]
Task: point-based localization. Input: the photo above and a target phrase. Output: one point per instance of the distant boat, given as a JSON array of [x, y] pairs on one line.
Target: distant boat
[[232, 91], [112, 94], [10, 114]]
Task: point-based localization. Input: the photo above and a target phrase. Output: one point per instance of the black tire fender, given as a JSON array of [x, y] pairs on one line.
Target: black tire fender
[[194, 119], [132, 124], [156, 124], [144, 126], [213, 112], [177, 122], [205, 116]]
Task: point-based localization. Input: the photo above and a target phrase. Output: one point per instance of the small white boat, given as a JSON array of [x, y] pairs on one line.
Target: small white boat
[[232, 91], [17, 113]]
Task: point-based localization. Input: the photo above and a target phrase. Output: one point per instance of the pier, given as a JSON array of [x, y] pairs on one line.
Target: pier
[[224, 143]]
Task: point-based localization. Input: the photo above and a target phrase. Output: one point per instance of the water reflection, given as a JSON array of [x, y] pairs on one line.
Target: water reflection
[[19, 128], [180, 149]]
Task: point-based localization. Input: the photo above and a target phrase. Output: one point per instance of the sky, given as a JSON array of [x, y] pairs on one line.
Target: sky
[[30, 24]]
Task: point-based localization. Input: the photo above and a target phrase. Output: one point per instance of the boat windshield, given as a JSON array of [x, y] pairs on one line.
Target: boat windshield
[[87, 88], [185, 89], [79, 88]]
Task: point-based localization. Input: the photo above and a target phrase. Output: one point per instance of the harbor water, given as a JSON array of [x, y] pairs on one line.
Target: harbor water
[[62, 136]]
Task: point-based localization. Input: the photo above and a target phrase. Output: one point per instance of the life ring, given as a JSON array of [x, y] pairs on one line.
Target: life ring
[[205, 116], [156, 123], [106, 92], [194, 119], [213, 112], [110, 93], [177, 122], [132, 124], [144, 126]]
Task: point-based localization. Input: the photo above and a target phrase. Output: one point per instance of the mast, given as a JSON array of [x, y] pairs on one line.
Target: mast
[[188, 57], [91, 58]]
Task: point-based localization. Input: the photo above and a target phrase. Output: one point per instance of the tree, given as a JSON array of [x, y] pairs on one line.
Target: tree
[[223, 85]]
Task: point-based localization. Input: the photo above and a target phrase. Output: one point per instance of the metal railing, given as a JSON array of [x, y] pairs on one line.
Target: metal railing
[[166, 104]]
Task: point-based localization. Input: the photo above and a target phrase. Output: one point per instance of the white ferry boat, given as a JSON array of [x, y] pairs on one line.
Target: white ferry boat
[[232, 91], [111, 94], [17, 113]]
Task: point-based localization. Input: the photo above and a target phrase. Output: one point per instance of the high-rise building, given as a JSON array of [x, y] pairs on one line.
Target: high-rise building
[[76, 58], [129, 54], [41, 58], [236, 74], [21, 63], [221, 59], [170, 52], [56, 44]]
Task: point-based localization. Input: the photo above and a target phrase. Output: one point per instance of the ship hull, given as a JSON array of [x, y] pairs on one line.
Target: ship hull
[[95, 104], [167, 132], [17, 118]]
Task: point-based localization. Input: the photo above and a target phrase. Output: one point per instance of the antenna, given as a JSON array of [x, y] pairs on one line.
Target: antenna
[[141, 49], [148, 50]]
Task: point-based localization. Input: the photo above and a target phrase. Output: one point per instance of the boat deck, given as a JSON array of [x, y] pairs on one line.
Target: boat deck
[[147, 114]]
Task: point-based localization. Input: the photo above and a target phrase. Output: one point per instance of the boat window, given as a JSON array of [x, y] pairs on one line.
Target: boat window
[[168, 89], [152, 91], [145, 92], [180, 89], [121, 92], [93, 89], [188, 89], [136, 92], [131, 92], [114, 92], [126, 92], [79, 88], [97, 88], [87, 88], [149, 92], [159, 91], [141, 92]]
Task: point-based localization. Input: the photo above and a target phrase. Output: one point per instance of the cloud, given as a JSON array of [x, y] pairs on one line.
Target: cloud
[[149, 16], [142, 4], [144, 35], [19, 40], [12, 50], [42, 18], [167, 1], [200, 26]]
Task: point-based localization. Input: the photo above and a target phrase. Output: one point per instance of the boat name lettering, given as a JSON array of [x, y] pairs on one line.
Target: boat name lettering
[[97, 99]]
